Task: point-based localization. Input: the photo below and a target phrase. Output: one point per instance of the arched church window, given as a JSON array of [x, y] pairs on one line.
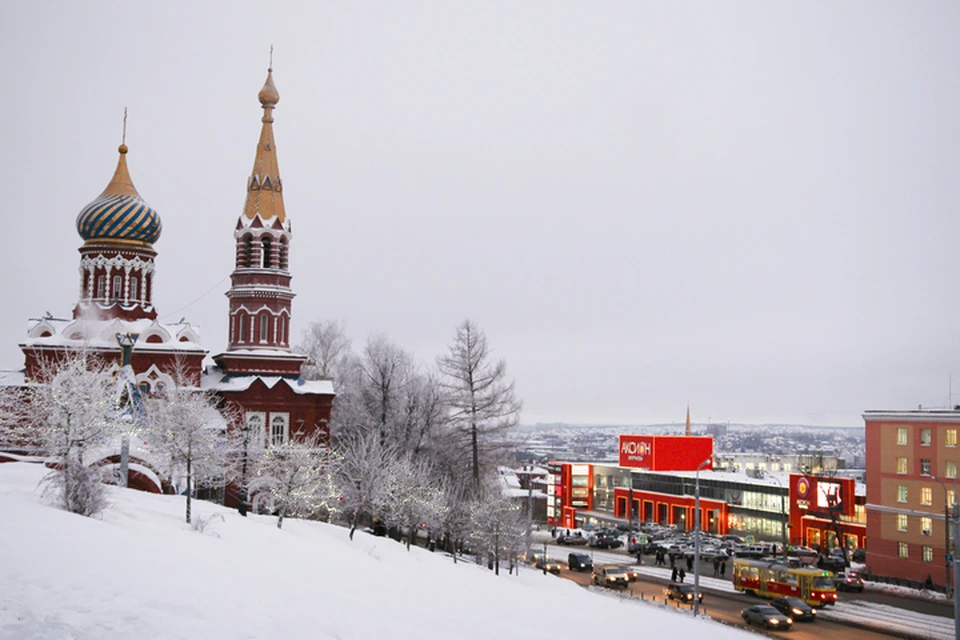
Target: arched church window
[[264, 326], [282, 330], [248, 252], [265, 252], [101, 287], [283, 253], [117, 292], [241, 334], [134, 289]]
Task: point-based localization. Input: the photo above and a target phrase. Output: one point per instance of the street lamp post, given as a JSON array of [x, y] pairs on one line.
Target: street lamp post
[[946, 536], [696, 540]]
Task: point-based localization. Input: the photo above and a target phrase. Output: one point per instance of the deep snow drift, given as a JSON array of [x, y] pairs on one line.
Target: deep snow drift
[[139, 571]]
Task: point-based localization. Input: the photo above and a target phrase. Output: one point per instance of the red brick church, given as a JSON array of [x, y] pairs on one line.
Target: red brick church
[[258, 372]]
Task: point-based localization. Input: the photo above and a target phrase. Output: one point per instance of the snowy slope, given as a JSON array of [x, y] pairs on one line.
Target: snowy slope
[[140, 571]]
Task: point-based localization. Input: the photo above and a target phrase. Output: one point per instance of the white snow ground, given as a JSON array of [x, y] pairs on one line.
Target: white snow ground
[[138, 571]]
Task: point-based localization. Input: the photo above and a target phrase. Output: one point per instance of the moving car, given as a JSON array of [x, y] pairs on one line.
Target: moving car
[[848, 581], [682, 592], [831, 563], [764, 614], [632, 574], [610, 575], [542, 562], [794, 608], [579, 562]]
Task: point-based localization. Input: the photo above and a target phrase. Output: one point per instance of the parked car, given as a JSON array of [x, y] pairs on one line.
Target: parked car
[[794, 608], [604, 541], [831, 563], [542, 562], [579, 562], [575, 539], [682, 592], [859, 555], [764, 614], [609, 575], [848, 581]]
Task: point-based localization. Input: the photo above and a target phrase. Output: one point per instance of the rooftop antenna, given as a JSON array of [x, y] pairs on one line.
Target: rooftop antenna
[[123, 139]]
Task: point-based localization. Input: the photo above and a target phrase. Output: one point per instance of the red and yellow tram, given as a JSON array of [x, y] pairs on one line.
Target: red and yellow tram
[[772, 579]]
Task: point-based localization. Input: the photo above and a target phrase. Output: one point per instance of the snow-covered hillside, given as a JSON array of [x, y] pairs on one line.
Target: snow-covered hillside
[[140, 571]]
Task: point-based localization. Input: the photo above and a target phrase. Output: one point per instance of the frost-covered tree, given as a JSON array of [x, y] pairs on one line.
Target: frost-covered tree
[[482, 402], [412, 499], [327, 347], [295, 477], [363, 474], [72, 416], [245, 446], [498, 527], [185, 425]]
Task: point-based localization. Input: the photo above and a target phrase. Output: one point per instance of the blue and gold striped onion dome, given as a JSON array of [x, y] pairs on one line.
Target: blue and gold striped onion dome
[[119, 213]]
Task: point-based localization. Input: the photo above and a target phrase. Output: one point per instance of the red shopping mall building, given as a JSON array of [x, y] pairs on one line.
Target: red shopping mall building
[[655, 480]]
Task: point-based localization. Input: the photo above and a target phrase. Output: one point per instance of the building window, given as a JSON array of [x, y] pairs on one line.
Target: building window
[[241, 334], [117, 287], [925, 437], [902, 550], [255, 421], [950, 437], [279, 428], [951, 469], [927, 554], [926, 526], [248, 252], [265, 253], [901, 465], [134, 289], [101, 287], [901, 493], [951, 496], [901, 522], [925, 466], [926, 495], [901, 435], [264, 325]]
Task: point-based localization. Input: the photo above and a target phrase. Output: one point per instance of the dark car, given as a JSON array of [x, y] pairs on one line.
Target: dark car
[[579, 562], [764, 614], [848, 581], [604, 541], [682, 592], [859, 555], [794, 608], [574, 540], [610, 575], [542, 562], [831, 563]]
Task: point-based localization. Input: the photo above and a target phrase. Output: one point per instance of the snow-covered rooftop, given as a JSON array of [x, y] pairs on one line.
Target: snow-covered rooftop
[[102, 334], [215, 380]]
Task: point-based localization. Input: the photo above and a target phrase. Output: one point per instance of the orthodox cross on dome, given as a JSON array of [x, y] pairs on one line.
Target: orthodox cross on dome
[[123, 137]]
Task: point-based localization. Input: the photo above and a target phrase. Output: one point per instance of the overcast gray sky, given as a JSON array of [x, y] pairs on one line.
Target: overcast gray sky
[[747, 206]]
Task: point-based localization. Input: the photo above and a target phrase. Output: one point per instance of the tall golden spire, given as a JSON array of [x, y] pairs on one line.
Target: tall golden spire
[[264, 188]]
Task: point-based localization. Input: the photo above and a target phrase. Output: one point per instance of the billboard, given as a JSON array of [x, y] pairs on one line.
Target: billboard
[[665, 453], [822, 495]]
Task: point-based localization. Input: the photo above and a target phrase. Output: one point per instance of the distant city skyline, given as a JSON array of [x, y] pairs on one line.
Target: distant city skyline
[[747, 208]]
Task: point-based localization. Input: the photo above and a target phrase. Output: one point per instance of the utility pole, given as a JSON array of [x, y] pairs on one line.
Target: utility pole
[[696, 541], [946, 536]]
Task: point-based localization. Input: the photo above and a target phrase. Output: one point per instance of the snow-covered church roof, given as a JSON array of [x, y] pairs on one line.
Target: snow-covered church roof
[[102, 334], [214, 379]]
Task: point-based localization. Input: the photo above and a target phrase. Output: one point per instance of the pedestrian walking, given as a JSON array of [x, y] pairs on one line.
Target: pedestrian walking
[[716, 567], [683, 574], [673, 562], [673, 576], [723, 569], [689, 563]]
